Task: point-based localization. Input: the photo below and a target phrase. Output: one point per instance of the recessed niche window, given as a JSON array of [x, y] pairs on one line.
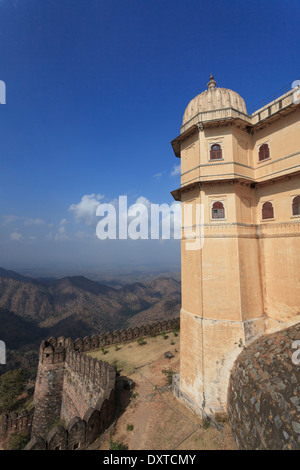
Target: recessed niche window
[[218, 210], [296, 206], [267, 211], [264, 152], [215, 152]]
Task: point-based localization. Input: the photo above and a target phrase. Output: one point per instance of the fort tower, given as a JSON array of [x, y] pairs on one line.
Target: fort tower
[[244, 281]]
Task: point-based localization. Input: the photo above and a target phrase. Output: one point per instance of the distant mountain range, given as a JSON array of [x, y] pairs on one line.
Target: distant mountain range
[[34, 309]]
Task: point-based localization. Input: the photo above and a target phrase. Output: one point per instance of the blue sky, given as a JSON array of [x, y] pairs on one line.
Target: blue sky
[[96, 90]]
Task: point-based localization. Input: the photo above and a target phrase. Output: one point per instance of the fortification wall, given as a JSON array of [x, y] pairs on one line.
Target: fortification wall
[[85, 381], [79, 433], [264, 393], [15, 422], [78, 389], [125, 335], [48, 386], [70, 386]]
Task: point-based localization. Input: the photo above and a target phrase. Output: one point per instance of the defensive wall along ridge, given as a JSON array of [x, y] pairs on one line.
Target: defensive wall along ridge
[[74, 398]]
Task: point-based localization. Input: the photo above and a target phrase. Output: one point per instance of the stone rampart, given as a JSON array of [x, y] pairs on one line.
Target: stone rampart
[[264, 393], [74, 393], [15, 423]]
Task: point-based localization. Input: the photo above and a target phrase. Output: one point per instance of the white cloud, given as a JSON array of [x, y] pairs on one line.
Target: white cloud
[[29, 221], [9, 219], [176, 170], [83, 235], [85, 210], [16, 236], [157, 176], [143, 200], [61, 235]]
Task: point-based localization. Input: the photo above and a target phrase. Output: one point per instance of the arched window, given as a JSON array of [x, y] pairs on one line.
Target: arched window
[[264, 152], [296, 206], [215, 152], [267, 210], [218, 211]]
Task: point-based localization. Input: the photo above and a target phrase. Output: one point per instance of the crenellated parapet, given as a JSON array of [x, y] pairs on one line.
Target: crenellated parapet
[[79, 433], [16, 423], [88, 368], [124, 335], [87, 403], [74, 388], [53, 351]]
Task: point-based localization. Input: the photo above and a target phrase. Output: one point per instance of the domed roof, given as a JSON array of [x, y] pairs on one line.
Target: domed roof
[[214, 98]]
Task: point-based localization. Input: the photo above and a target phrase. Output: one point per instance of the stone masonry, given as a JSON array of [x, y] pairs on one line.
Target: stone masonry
[[74, 399], [264, 393]]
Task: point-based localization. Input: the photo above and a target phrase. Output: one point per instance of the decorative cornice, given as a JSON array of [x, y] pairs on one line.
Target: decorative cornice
[[241, 230], [232, 162]]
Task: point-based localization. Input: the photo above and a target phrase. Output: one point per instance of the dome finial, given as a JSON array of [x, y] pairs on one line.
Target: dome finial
[[211, 84]]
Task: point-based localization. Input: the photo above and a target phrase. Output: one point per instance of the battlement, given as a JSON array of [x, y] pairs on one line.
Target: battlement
[[121, 336], [16, 422], [77, 389]]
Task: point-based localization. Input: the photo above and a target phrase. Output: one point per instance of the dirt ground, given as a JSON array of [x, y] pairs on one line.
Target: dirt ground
[[151, 418]]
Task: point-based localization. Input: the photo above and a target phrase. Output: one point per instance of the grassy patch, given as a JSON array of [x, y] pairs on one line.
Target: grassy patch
[[133, 355], [116, 445]]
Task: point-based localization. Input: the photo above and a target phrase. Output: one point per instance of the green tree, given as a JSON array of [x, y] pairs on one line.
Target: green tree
[[12, 384]]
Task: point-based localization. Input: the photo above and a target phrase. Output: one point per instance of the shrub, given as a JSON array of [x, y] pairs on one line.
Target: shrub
[[240, 343], [221, 417], [168, 373], [141, 341], [206, 423], [129, 427], [17, 441], [116, 445]]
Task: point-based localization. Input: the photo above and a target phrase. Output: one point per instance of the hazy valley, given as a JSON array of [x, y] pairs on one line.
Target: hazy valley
[[34, 309]]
